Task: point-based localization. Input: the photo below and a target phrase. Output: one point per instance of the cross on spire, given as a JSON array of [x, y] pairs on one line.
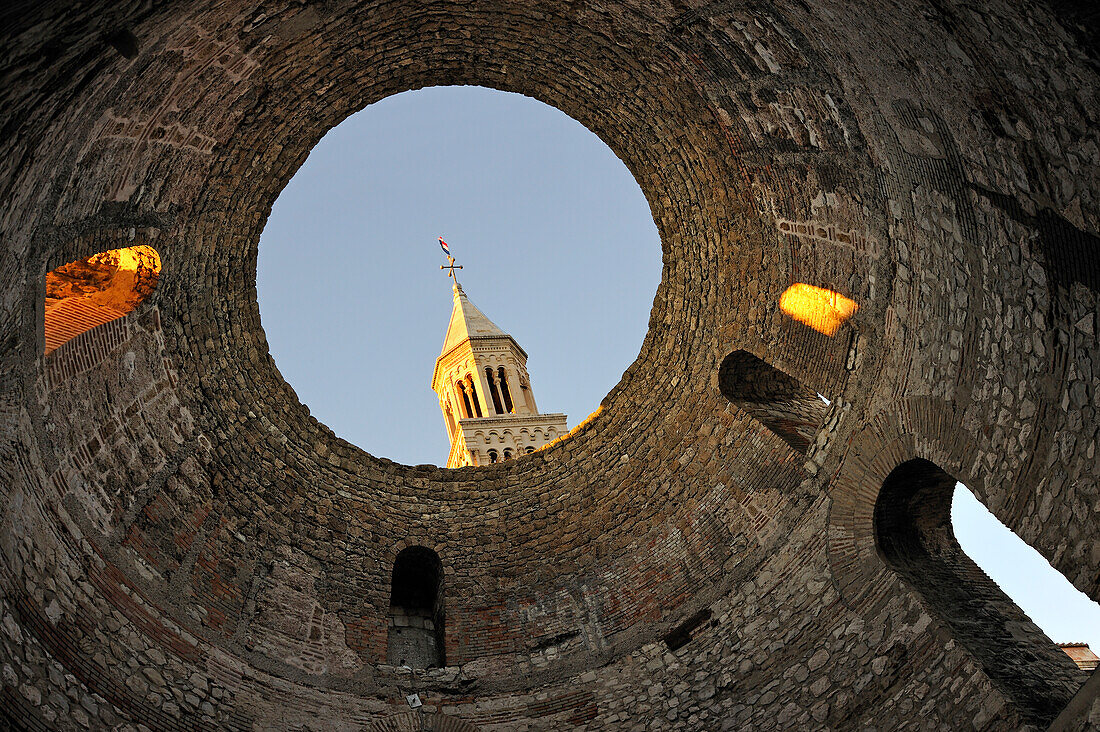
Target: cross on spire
[[451, 267]]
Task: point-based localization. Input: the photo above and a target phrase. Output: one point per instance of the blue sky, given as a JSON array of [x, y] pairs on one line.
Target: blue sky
[[1064, 613], [558, 248], [556, 240]]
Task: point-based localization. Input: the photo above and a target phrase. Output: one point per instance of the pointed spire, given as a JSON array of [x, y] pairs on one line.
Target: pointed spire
[[468, 322]]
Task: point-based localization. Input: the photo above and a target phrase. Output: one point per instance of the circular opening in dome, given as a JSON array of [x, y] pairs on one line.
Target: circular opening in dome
[[556, 242]]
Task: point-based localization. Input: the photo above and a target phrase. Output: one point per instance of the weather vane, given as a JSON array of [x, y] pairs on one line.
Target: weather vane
[[450, 266]]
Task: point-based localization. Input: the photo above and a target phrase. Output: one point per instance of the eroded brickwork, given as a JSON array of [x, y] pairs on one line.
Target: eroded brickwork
[[182, 546]]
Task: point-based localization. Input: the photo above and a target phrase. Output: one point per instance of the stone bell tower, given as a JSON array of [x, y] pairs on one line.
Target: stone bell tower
[[485, 392]]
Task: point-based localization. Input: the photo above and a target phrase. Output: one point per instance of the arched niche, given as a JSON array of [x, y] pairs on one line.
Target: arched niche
[[416, 618], [914, 537], [782, 403]]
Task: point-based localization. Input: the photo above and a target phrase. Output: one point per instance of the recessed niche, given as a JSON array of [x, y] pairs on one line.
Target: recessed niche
[[416, 618], [787, 407]]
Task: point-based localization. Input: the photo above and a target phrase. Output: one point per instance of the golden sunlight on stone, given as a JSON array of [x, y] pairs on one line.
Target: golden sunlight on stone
[[96, 290], [823, 310]]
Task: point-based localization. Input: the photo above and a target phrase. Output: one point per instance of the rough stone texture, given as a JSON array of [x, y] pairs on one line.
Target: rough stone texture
[[183, 547]]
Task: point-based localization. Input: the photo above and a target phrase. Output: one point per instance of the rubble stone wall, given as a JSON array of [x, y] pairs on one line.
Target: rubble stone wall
[[183, 547]]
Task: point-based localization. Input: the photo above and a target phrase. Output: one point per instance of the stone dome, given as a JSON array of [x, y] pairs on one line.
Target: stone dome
[[184, 547]]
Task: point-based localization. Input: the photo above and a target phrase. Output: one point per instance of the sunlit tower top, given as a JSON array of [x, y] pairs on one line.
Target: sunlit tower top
[[485, 392]]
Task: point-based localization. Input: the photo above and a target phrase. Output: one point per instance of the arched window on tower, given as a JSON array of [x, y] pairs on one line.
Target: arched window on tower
[[529, 450], [96, 290], [450, 418], [473, 395], [507, 454], [416, 622], [493, 389], [780, 402], [493, 456], [507, 396], [467, 411]]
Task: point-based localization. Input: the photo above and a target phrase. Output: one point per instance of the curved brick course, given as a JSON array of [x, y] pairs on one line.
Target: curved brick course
[[184, 547]]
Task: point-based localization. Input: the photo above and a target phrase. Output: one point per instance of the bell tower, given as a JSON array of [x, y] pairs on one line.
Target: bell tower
[[485, 392]]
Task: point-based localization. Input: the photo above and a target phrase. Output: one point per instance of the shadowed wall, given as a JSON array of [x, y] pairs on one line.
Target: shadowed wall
[[183, 546]]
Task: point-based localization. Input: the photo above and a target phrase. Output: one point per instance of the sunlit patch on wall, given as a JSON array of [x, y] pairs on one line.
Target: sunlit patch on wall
[[96, 290], [823, 310]]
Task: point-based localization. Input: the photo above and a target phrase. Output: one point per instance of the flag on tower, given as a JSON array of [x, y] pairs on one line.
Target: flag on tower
[[446, 248]]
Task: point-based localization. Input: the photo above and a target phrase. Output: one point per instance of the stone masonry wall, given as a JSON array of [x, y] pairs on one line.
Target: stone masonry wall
[[182, 546]]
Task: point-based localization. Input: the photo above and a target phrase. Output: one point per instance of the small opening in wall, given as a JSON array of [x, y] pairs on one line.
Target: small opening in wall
[[416, 622], [95, 290], [780, 402], [680, 636], [125, 42], [915, 537]]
